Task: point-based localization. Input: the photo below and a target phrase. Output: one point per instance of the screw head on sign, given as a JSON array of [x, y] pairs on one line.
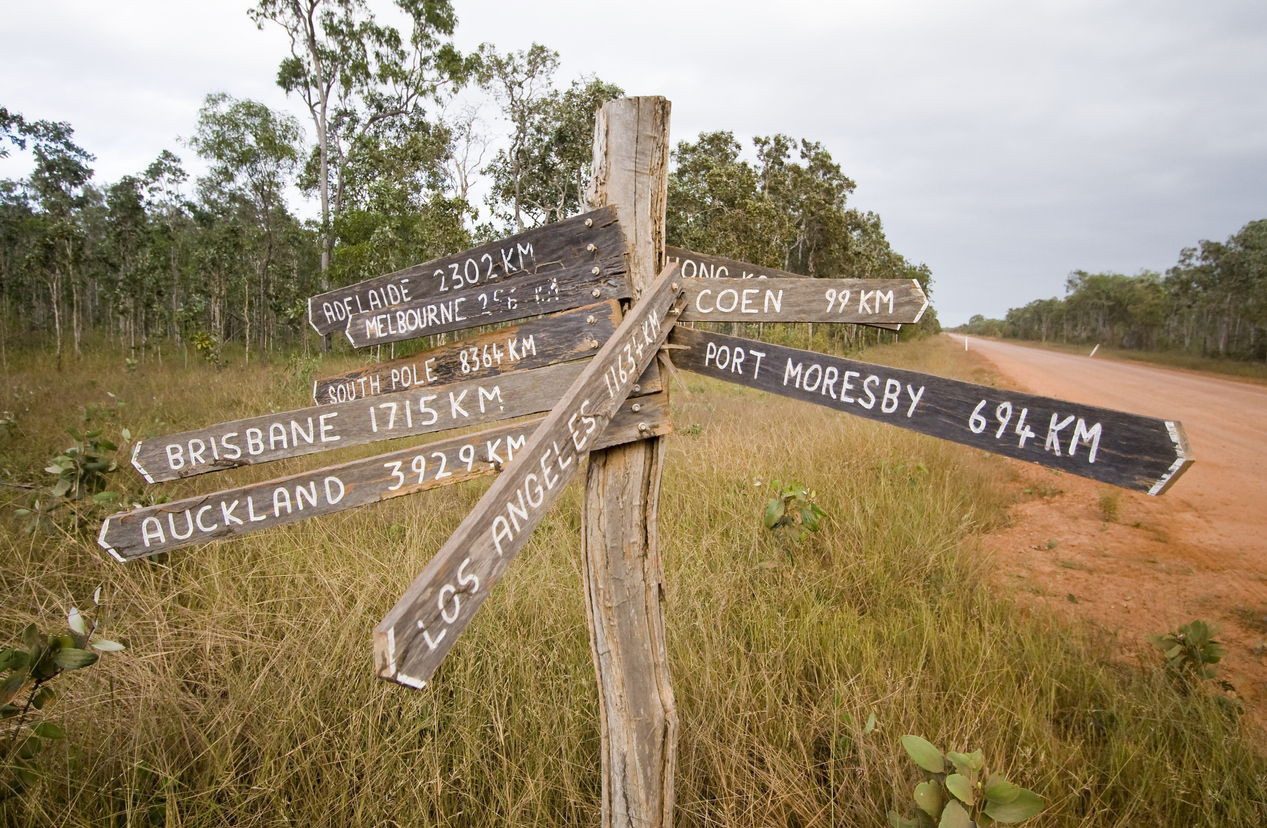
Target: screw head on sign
[[673, 286], [636, 389], [643, 427], [637, 407], [590, 320], [596, 271], [596, 292], [590, 247], [593, 343], [589, 222]]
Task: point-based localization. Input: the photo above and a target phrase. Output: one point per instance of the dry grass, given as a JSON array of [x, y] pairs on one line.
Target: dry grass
[[246, 695]]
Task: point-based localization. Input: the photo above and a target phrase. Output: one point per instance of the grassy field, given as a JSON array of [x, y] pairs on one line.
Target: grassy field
[[246, 694]]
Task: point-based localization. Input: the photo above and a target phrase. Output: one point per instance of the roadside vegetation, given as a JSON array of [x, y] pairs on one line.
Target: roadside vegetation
[[1208, 312], [245, 692]]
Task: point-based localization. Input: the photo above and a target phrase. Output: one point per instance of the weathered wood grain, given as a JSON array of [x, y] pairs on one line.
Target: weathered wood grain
[[862, 301], [418, 632], [552, 248], [490, 304], [324, 428], [233, 512], [620, 537], [1134, 452], [562, 337], [703, 266]]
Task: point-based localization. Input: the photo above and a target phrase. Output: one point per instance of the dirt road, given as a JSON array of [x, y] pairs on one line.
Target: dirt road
[[1198, 551]]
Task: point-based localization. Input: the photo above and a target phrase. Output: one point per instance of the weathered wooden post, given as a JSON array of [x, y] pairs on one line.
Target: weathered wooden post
[[620, 535]]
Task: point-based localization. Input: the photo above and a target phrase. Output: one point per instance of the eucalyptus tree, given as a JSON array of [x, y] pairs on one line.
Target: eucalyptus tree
[[253, 151], [716, 204], [59, 186], [168, 209], [521, 83], [396, 210], [355, 75]]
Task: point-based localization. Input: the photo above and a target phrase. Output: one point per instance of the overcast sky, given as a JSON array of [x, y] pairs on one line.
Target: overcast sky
[[1003, 143]]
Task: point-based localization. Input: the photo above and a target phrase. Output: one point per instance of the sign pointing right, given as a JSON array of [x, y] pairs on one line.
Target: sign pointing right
[[1127, 450]]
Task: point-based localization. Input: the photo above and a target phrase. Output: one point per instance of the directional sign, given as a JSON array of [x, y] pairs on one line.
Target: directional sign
[[584, 241], [867, 301], [1126, 450], [415, 636], [702, 266], [487, 304], [234, 512], [559, 338], [367, 420]]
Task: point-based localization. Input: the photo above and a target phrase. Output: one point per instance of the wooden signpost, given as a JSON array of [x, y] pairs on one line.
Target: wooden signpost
[[703, 266], [575, 271], [533, 295], [367, 420]]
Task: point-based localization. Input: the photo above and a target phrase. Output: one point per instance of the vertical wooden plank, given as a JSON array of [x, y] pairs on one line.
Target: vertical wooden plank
[[623, 573]]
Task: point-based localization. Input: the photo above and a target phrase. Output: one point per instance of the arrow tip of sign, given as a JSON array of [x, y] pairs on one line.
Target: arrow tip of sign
[[311, 323], [924, 296], [101, 541], [1183, 458], [136, 463]]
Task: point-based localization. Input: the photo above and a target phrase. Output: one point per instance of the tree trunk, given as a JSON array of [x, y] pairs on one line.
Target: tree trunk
[[620, 543]]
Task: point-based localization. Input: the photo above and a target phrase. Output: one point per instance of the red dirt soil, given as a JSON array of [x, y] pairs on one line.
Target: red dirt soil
[[1197, 552]]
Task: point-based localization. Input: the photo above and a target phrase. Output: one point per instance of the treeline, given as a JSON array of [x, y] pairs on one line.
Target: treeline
[[1213, 302], [394, 151]]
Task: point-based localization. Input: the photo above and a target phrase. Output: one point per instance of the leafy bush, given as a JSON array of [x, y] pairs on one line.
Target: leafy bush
[[1190, 648], [959, 793], [82, 475], [29, 667], [793, 506]]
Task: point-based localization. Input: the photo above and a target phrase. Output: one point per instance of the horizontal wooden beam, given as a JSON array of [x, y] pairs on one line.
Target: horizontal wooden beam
[[562, 337], [487, 305], [860, 301], [553, 248], [272, 437], [703, 266], [1127, 450], [234, 512]]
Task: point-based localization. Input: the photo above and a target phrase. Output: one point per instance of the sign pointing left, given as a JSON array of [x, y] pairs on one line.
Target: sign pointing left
[[588, 240]]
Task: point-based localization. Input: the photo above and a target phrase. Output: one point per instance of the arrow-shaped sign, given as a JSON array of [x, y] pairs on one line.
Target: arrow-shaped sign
[[310, 430], [588, 240], [863, 301], [167, 526], [413, 639], [704, 266], [1125, 450], [562, 337], [459, 310]]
